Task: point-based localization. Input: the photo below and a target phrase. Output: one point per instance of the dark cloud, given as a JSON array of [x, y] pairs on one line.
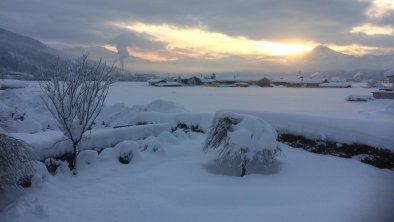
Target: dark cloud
[[87, 21]]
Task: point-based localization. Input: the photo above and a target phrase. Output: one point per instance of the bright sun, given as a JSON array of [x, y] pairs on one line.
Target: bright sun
[[284, 49]]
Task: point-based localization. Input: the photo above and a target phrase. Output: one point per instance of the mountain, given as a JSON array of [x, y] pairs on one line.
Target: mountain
[[24, 54], [322, 58]]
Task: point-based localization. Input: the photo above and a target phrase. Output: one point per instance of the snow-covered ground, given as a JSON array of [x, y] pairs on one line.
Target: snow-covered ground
[[173, 180], [310, 101]]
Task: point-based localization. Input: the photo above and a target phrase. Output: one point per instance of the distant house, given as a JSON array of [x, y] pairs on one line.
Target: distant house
[[153, 82], [193, 81], [241, 84], [168, 84], [264, 82], [298, 81], [386, 94], [335, 85]]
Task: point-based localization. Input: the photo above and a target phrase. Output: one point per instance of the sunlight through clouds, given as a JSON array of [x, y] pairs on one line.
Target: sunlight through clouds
[[370, 29], [197, 39]]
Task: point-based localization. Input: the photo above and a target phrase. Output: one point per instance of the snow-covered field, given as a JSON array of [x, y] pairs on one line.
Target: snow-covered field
[[311, 101], [181, 183]]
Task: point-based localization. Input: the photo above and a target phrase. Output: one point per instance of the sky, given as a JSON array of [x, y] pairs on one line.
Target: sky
[[204, 36]]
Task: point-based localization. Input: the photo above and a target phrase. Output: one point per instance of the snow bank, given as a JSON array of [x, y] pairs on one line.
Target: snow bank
[[158, 111], [370, 132], [54, 143], [12, 84], [23, 111]]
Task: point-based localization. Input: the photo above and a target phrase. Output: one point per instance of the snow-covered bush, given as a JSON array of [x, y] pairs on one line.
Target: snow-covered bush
[[180, 134], [127, 151], [15, 162], [56, 166], [167, 137], [241, 139], [150, 144]]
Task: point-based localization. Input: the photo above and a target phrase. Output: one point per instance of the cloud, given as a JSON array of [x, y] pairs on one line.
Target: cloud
[[222, 28], [196, 39], [370, 29], [380, 8]]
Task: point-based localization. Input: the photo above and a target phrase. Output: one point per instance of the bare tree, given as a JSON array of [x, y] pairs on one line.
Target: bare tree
[[74, 92], [15, 162]]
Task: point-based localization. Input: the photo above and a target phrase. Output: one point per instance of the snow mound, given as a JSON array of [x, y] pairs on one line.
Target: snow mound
[[374, 133], [128, 151], [167, 137], [54, 143], [158, 111], [249, 132], [180, 134], [164, 107], [40, 173], [240, 138], [87, 157], [22, 111], [151, 144]]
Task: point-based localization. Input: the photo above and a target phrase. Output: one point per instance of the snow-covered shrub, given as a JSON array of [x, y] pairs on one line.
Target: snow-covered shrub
[[127, 151], [108, 154], [180, 134], [241, 139], [15, 162], [167, 137], [40, 173], [57, 166], [150, 144]]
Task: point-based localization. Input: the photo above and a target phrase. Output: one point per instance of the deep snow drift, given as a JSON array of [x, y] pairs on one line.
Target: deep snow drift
[[169, 178]]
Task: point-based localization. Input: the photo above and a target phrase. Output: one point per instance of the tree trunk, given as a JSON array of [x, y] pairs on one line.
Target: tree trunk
[[73, 164], [243, 168]]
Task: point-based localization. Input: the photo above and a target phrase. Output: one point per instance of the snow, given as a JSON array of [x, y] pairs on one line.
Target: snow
[[171, 179], [12, 84], [308, 101], [185, 186], [87, 158], [370, 132], [54, 143], [389, 73], [246, 134]]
